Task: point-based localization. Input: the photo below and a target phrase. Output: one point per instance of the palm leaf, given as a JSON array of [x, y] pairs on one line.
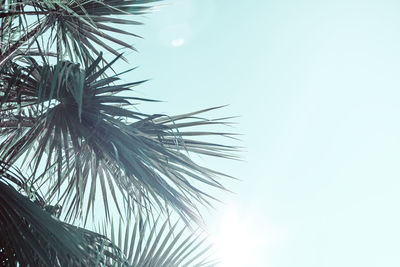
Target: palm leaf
[[74, 121], [75, 130], [30, 236], [80, 26], [146, 244]]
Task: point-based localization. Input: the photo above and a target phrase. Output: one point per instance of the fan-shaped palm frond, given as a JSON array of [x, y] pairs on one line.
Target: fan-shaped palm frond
[[77, 28], [148, 244], [74, 120], [30, 236]]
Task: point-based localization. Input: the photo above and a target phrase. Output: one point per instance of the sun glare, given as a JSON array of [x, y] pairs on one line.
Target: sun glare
[[236, 241]]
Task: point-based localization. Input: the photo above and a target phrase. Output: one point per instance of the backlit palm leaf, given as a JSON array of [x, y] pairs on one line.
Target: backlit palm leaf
[[30, 236], [77, 28], [75, 121], [149, 244]]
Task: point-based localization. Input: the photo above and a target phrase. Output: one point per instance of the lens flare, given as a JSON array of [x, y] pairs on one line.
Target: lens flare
[[178, 42]]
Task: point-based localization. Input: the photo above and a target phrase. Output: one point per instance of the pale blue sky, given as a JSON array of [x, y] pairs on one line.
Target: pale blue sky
[[316, 84]]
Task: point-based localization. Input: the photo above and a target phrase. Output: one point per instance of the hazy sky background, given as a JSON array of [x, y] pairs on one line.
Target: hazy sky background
[[316, 84]]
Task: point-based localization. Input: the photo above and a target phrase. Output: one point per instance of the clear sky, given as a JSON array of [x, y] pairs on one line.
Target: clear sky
[[316, 84]]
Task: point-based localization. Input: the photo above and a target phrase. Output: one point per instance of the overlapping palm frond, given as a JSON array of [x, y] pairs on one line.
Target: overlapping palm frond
[[77, 28], [148, 243], [75, 130], [30, 236], [71, 119]]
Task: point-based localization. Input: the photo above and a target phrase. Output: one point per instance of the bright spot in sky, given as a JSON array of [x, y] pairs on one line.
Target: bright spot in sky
[[175, 35], [237, 241], [178, 42]]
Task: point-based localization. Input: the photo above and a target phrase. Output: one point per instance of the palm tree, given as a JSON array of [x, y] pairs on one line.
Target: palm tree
[[69, 134]]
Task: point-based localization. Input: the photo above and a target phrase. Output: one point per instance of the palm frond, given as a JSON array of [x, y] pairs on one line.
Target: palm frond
[[76, 122], [30, 236], [77, 134], [147, 244], [76, 28]]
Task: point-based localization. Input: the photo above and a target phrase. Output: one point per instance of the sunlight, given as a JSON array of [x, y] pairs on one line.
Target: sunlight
[[177, 42], [237, 241]]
